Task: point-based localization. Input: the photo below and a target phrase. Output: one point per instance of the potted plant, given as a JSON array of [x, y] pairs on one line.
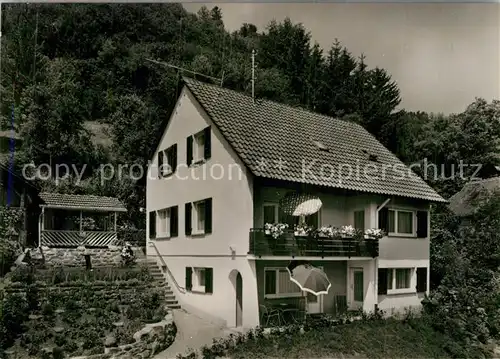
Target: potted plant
[[347, 234], [327, 234], [371, 235], [276, 231]]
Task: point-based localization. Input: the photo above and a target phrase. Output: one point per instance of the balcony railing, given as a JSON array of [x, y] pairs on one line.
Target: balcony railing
[[289, 244]]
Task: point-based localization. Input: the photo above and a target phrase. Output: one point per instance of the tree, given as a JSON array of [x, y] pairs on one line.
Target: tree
[[471, 138], [465, 303], [51, 117]]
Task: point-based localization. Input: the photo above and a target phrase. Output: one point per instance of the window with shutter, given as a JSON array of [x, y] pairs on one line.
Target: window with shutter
[[174, 158], [277, 284], [189, 278], [209, 280], [208, 143], [189, 150], [382, 281], [152, 224], [383, 219], [421, 280], [163, 223], [174, 221], [422, 224], [160, 164], [187, 218], [208, 216]]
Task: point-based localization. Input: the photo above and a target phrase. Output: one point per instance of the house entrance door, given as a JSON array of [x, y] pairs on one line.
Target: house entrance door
[[356, 288]]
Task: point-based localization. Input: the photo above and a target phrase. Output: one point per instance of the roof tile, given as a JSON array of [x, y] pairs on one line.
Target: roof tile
[[84, 202], [265, 132]]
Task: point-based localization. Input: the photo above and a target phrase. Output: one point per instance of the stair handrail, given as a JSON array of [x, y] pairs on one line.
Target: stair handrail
[[164, 264]]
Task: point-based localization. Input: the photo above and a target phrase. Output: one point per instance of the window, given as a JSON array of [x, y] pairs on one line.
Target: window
[[359, 220], [198, 217], [277, 283], [198, 147], [270, 213], [403, 278], [163, 223], [395, 280], [167, 161], [401, 222], [201, 282]]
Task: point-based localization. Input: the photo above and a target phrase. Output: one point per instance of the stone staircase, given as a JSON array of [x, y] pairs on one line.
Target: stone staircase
[[159, 277]]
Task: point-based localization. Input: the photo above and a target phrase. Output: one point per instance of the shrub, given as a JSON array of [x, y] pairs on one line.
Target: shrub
[[58, 353], [32, 297], [9, 251], [23, 274], [14, 314]]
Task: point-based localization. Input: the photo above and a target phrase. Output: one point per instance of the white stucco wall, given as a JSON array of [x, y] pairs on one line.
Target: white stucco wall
[[236, 209], [232, 216]]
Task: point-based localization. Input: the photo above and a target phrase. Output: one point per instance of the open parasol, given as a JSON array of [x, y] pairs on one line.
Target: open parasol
[[300, 204]]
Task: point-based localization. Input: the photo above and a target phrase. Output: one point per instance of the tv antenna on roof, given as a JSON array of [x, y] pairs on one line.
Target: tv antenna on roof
[[220, 80]]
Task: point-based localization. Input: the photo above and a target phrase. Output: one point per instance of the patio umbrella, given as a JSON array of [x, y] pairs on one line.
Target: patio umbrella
[[300, 204], [309, 278]]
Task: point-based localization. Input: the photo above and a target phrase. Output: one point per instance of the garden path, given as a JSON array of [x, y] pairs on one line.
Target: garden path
[[193, 332]]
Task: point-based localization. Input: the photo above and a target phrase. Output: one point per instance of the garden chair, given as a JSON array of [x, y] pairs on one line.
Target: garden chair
[[270, 313]]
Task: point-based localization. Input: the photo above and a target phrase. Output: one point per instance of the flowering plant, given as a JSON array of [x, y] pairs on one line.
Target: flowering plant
[[374, 233], [127, 255], [303, 229], [276, 229], [347, 231], [328, 231]]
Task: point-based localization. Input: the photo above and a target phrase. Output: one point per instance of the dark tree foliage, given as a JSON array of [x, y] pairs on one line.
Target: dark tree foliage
[[64, 65]]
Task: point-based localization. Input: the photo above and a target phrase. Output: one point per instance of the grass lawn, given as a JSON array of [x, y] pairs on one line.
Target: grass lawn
[[376, 339]]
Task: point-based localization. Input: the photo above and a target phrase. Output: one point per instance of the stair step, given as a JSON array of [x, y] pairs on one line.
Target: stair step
[[174, 306]]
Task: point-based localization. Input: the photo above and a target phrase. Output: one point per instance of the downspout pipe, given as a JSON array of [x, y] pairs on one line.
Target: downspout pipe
[[375, 274], [382, 205]]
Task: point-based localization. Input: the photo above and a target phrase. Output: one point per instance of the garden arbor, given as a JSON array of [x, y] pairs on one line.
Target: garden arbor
[[69, 220]]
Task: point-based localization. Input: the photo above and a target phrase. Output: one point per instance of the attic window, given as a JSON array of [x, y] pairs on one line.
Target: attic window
[[320, 145], [371, 157]]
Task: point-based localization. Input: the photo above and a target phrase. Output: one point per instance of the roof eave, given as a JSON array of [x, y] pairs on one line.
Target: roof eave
[[81, 208]]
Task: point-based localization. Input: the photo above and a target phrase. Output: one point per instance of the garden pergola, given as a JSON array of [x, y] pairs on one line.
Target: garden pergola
[[69, 220]]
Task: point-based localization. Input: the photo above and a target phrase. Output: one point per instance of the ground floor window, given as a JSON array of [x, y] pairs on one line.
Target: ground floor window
[[277, 283], [396, 280]]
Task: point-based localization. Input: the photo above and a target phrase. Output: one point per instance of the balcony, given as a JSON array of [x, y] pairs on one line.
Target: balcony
[[289, 244]]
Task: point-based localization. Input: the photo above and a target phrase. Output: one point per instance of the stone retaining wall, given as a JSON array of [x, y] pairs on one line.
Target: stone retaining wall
[[149, 341], [90, 293], [75, 257]]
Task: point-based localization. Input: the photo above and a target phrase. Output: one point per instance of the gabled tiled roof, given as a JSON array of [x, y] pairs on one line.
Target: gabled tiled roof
[[82, 202], [264, 132], [472, 195]]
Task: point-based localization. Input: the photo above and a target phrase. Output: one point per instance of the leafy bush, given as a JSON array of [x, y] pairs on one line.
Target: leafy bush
[[148, 307], [465, 303], [14, 312], [9, 251], [78, 276], [23, 274]]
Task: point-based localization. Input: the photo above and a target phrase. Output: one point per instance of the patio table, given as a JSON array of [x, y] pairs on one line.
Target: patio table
[[288, 310]]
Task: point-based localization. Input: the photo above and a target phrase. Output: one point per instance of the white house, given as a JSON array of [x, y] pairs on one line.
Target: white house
[[228, 159]]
